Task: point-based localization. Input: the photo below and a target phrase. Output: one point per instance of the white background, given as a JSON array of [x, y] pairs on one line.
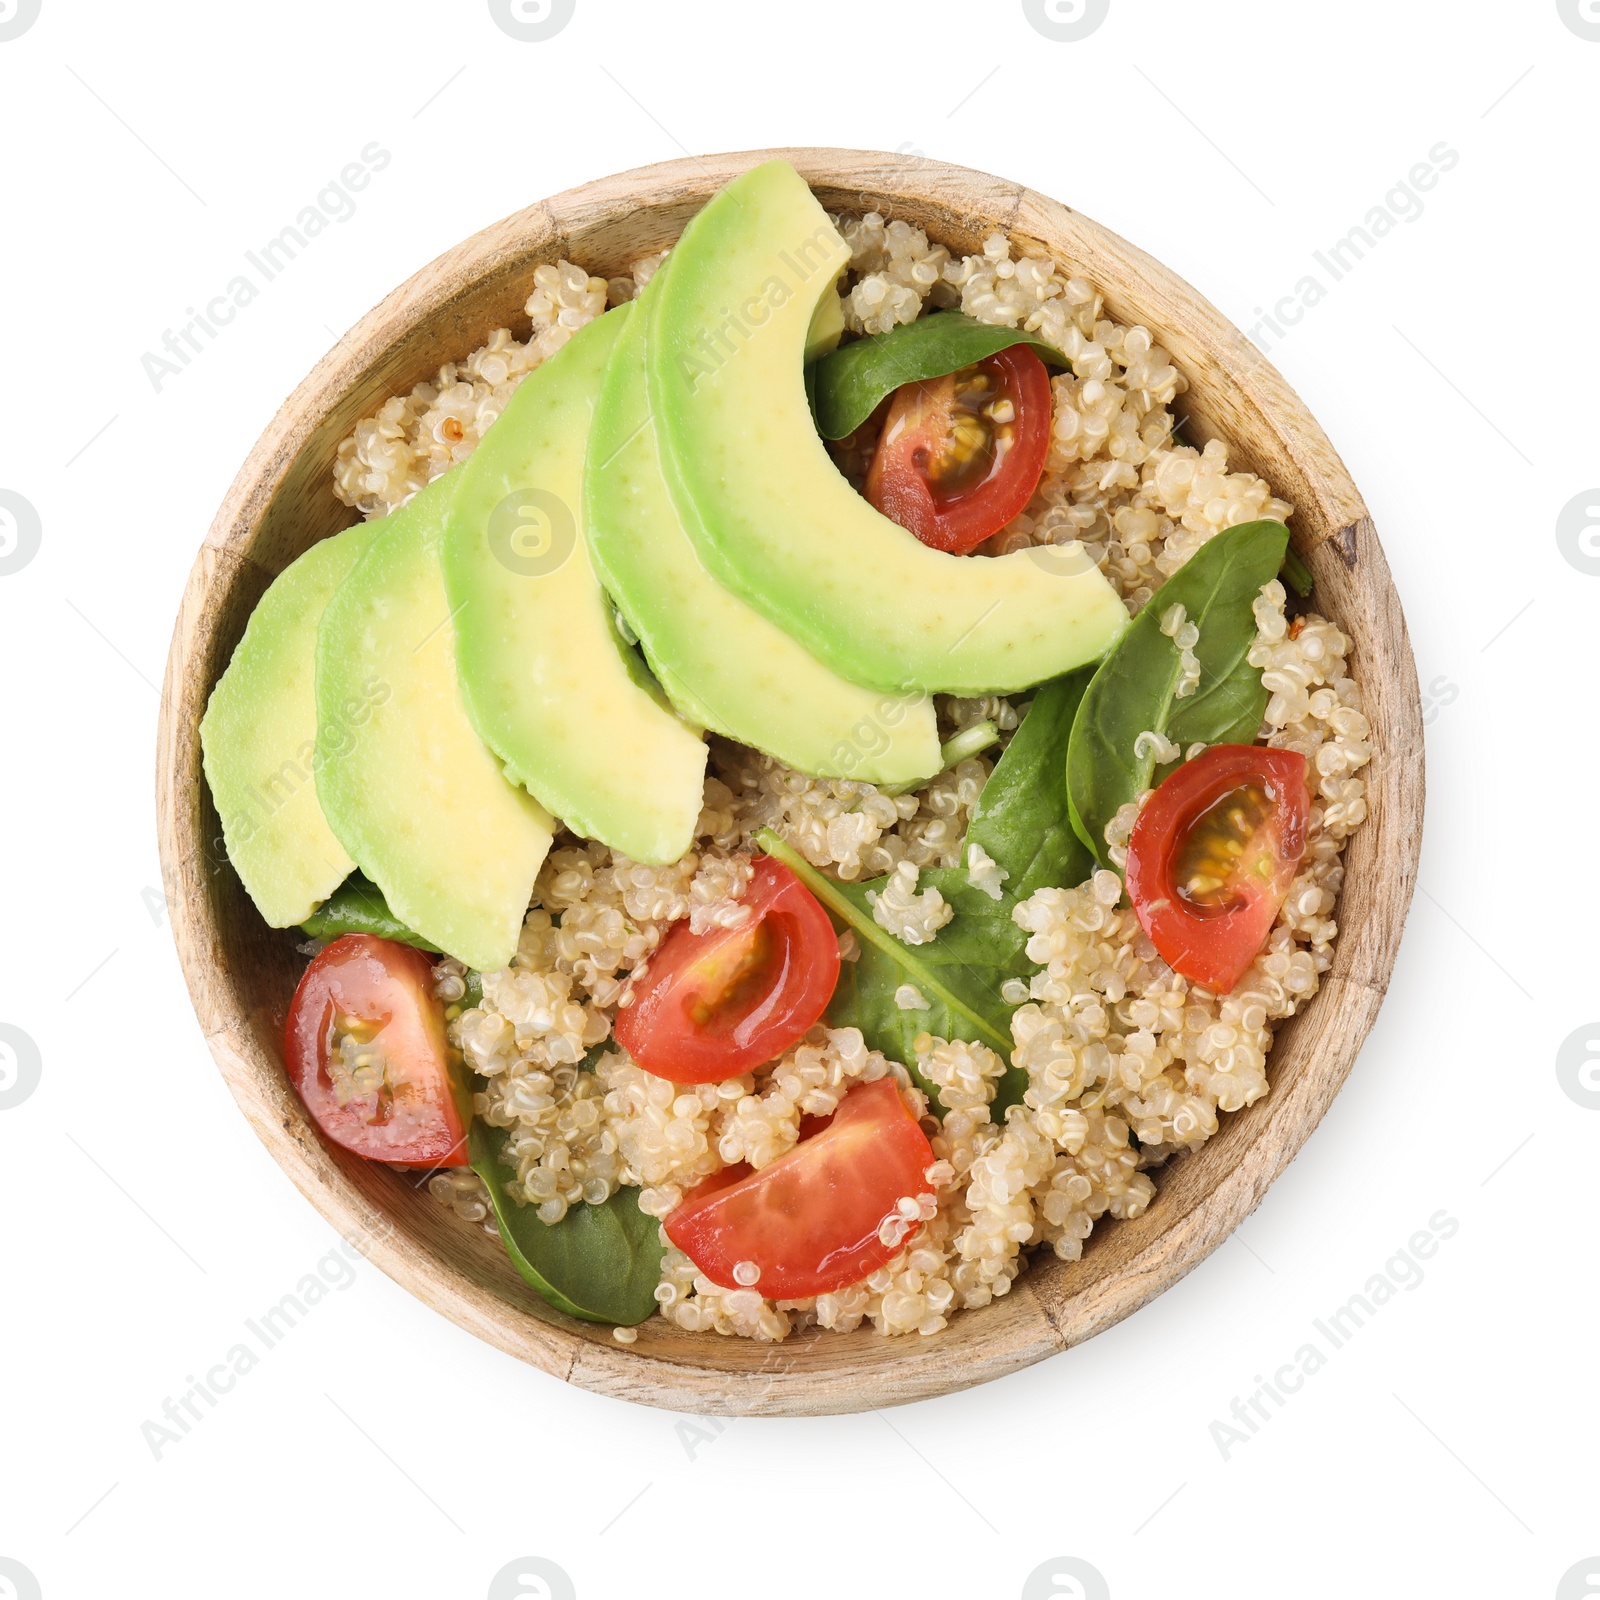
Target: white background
[[1446, 1449]]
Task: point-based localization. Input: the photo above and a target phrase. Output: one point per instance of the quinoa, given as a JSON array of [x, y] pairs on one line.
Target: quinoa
[[1128, 1063], [984, 873], [911, 916], [414, 438]]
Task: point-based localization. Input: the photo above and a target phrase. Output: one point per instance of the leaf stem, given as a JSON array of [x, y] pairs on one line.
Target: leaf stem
[[969, 742], [866, 928], [1297, 573]]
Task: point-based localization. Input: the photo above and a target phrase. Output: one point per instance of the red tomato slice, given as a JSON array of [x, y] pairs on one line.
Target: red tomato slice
[[960, 456], [366, 1049], [810, 1221], [713, 1005], [723, 1178], [1212, 856]]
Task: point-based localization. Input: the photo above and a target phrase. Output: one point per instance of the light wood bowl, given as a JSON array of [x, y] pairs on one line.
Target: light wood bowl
[[241, 974]]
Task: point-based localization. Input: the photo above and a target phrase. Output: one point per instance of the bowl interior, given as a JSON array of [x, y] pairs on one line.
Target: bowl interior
[[242, 974]]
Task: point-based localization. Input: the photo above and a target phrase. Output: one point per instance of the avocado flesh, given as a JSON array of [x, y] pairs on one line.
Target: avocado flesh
[[723, 664], [549, 685], [770, 514], [258, 741], [408, 787], [826, 327]]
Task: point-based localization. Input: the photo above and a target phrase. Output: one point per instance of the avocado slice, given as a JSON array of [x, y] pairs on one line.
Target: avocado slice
[[407, 785], [722, 663], [770, 514], [549, 684], [826, 328], [258, 741]]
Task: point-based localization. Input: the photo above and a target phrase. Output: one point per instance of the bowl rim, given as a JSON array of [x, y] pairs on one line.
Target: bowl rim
[[1235, 394]]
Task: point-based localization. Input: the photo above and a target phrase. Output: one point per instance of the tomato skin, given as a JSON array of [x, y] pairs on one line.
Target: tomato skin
[[713, 1005], [810, 1219], [916, 433], [1213, 945], [420, 1115]]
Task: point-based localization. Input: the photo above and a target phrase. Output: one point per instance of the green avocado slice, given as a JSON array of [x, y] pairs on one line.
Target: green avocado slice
[[258, 741], [722, 663], [549, 684], [773, 519], [407, 786]]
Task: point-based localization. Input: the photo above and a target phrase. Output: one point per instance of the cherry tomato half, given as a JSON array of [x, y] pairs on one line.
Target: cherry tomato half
[[1212, 856], [713, 1005], [366, 1049], [960, 456], [810, 1220]]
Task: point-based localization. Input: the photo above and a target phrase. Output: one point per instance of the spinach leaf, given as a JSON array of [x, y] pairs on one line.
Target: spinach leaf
[[1021, 822], [847, 385], [1021, 818], [358, 906], [601, 1263], [1134, 689], [959, 974], [902, 963]]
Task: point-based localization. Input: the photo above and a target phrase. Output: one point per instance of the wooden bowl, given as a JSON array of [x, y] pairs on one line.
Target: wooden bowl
[[241, 974]]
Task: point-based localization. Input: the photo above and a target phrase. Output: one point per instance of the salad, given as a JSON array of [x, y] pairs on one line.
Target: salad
[[802, 788]]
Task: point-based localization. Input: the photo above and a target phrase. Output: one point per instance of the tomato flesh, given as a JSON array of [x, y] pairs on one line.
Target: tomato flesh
[[366, 1051], [960, 456], [1212, 856], [712, 1005], [813, 1220]]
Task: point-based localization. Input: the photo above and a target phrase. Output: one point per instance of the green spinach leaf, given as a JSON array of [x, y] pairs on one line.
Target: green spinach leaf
[[959, 973], [1021, 822], [358, 906], [926, 966], [1135, 688], [601, 1263], [1021, 818], [847, 385]]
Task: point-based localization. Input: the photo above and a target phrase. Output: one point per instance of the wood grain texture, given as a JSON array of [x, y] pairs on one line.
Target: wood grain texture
[[241, 974]]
